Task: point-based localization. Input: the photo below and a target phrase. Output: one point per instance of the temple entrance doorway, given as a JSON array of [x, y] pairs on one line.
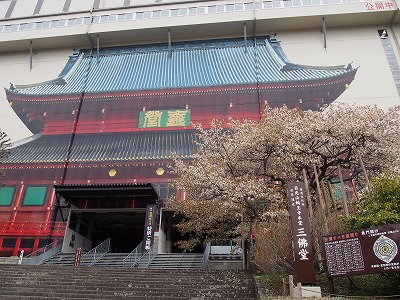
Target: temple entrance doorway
[[99, 212], [90, 227]]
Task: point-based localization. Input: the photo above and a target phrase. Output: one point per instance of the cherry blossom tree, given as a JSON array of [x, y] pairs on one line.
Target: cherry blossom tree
[[240, 171]]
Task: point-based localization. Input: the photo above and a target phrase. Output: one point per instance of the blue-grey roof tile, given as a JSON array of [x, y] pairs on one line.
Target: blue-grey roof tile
[[111, 147], [190, 65]]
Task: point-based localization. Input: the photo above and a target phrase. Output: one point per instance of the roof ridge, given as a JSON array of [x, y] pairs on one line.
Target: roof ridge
[[56, 81], [289, 66], [178, 46]]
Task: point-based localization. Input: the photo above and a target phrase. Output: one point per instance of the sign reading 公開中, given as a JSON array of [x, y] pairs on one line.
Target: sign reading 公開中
[[374, 250]]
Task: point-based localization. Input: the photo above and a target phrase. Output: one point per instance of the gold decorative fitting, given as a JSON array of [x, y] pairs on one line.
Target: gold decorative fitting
[[160, 171], [112, 172]]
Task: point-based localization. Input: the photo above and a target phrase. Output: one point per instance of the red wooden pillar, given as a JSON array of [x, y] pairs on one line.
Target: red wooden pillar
[[16, 247], [35, 244], [18, 202], [50, 203]]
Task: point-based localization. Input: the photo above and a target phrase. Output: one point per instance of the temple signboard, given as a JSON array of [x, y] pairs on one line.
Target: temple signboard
[[366, 251], [150, 226], [164, 118], [304, 261]]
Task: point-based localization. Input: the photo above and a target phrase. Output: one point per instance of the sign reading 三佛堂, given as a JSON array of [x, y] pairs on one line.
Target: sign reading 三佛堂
[[301, 233], [374, 250], [149, 227], [164, 118]]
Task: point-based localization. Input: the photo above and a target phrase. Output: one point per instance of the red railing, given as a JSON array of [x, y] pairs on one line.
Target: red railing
[[9, 228]]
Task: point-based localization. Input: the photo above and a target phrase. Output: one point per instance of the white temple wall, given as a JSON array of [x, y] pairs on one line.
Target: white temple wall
[[15, 68], [53, 7], [374, 83], [23, 8]]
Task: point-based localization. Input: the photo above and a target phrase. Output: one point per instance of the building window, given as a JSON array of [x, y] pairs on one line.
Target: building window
[[23, 26], [6, 195], [239, 6], [147, 15], [27, 243], [46, 24], [7, 28], [9, 242], [104, 19], [129, 17], [112, 18], [201, 10], [157, 14], [38, 25], [35, 195], [30, 26], [230, 7], [71, 22], [44, 242]]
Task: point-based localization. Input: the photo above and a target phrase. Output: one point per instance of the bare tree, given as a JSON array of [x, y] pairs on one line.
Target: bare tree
[[4, 151]]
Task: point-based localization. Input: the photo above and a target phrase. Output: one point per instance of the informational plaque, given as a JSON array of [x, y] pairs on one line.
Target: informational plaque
[[373, 250], [304, 261], [150, 226]]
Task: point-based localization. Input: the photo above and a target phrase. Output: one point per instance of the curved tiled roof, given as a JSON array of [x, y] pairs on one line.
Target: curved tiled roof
[[123, 147], [187, 65]]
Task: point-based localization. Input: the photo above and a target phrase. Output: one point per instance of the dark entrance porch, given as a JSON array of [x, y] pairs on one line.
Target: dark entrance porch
[[99, 212], [125, 227]]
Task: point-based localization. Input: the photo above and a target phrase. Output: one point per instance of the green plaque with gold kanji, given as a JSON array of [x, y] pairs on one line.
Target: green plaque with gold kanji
[[164, 118]]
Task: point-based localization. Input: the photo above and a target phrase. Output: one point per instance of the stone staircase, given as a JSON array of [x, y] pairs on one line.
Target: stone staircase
[[112, 260], [82, 283], [61, 259], [177, 261], [160, 261], [67, 259]]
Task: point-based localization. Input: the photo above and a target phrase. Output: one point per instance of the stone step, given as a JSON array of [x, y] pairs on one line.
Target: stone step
[[122, 279], [112, 259], [141, 297], [76, 283], [76, 271], [177, 261], [61, 259], [176, 292], [118, 281], [110, 272]]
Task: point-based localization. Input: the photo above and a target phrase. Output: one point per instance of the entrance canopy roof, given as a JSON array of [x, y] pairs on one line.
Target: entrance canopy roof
[[75, 193], [117, 147]]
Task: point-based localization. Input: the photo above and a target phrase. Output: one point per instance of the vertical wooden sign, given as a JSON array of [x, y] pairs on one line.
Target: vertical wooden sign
[[301, 233]]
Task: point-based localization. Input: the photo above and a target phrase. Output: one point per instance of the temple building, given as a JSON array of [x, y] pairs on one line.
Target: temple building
[[105, 130]]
